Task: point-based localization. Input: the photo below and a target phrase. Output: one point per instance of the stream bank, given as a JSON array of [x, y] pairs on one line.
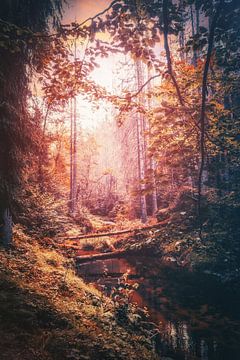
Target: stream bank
[[47, 312], [197, 317]]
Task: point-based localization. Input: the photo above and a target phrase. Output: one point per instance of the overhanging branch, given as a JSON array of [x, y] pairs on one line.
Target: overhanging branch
[[96, 16]]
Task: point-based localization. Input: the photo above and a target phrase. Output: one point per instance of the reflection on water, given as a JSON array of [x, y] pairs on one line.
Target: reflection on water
[[109, 267], [176, 340], [185, 334]]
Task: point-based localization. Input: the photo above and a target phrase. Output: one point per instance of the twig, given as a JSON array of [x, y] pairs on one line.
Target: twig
[[96, 16], [140, 89]]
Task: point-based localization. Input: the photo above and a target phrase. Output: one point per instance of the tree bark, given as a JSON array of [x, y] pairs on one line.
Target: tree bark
[[194, 31], [71, 156], [6, 227], [73, 172], [141, 148], [152, 162], [203, 109], [181, 36], [167, 50]]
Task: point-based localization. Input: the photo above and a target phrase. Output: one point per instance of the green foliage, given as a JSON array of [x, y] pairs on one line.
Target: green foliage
[[125, 310], [39, 212], [135, 29], [19, 53]]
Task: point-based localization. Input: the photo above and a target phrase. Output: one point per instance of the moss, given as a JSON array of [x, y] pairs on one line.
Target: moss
[[47, 312]]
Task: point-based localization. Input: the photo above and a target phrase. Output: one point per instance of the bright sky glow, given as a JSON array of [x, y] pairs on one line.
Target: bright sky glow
[[80, 10], [88, 116], [104, 74]]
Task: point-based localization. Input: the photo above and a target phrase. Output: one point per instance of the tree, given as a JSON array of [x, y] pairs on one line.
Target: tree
[[141, 145], [20, 52], [184, 129]]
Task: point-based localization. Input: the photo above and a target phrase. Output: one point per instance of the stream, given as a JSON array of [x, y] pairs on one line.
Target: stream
[[197, 316]]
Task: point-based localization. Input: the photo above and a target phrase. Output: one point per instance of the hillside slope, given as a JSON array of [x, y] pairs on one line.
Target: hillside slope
[[47, 312]]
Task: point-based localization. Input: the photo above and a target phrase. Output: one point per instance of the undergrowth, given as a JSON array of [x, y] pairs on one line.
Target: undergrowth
[[47, 312]]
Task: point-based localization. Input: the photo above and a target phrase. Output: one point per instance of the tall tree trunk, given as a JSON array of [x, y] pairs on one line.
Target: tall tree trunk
[[194, 32], [141, 147], [73, 156], [152, 162], [165, 8], [74, 173], [7, 228], [203, 111], [5, 223], [181, 36], [41, 154], [197, 17]]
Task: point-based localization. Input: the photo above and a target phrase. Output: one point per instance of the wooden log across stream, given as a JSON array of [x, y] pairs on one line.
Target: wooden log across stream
[[116, 253], [120, 232], [101, 256]]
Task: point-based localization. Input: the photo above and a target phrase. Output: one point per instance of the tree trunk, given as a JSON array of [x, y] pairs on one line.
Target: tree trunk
[[6, 227], [42, 153], [71, 156], [166, 20], [73, 175], [152, 162], [203, 110], [194, 59], [181, 36], [141, 148]]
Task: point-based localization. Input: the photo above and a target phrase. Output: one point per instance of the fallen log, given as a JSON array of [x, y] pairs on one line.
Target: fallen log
[[120, 232], [102, 256], [70, 246]]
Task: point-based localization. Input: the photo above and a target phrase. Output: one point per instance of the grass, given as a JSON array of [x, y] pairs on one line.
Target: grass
[[47, 312], [97, 244]]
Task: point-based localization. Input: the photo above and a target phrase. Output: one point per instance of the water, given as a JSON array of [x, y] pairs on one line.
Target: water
[[198, 318]]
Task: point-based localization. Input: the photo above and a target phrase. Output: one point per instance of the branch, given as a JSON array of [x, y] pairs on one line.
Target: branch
[[96, 16], [140, 89], [170, 69], [62, 28], [128, 98], [169, 63]]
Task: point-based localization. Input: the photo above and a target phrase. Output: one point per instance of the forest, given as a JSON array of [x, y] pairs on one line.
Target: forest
[[119, 180]]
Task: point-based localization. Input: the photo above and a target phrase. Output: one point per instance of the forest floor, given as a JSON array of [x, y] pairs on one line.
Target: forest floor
[[47, 312]]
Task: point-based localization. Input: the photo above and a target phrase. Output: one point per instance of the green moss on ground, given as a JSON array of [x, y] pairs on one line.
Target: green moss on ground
[[46, 312]]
